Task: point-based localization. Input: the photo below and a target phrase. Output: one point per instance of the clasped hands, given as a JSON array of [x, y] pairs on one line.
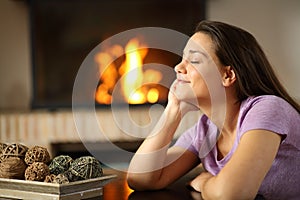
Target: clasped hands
[[198, 183]]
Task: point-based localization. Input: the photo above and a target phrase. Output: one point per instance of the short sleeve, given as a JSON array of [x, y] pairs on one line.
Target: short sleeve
[[269, 113], [186, 140], [193, 137]]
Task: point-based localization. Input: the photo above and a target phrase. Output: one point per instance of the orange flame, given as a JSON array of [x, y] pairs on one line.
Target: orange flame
[[133, 76], [109, 75]]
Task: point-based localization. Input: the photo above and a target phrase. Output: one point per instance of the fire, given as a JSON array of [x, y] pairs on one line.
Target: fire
[[133, 79], [109, 73], [152, 95]]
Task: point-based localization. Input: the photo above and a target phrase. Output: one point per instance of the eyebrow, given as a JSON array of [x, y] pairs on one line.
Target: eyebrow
[[197, 51]]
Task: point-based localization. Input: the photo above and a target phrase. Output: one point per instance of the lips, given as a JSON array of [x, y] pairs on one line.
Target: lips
[[179, 80]]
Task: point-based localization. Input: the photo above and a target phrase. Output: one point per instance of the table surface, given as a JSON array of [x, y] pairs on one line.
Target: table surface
[[118, 189]]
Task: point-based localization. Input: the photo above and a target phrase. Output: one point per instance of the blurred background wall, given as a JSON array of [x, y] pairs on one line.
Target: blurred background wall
[[15, 68], [275, 24]]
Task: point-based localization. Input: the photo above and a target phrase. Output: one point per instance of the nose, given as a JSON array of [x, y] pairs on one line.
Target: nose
[[180, 67]]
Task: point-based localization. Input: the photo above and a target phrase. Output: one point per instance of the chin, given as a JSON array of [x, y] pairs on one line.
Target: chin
[[193, 101]]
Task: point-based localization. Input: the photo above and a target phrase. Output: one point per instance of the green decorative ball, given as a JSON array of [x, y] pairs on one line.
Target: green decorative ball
[[60, 164], [84, 168]]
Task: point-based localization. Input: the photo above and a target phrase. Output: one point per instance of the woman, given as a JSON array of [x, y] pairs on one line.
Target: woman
[[255, 122]]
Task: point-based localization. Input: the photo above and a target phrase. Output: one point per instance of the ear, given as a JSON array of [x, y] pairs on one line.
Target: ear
[[228, 76]]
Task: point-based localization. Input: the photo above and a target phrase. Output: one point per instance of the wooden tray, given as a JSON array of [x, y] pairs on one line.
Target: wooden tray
[[34, 190]]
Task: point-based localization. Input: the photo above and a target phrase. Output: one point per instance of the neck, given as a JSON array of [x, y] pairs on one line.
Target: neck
[[232, 114], [223, 114]]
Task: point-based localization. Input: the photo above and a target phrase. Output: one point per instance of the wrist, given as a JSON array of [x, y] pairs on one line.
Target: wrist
[[172, 111], [205, 185]]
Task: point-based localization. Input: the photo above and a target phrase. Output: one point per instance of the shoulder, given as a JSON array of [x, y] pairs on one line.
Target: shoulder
[[267, 105], [268, 112], [266, 100]]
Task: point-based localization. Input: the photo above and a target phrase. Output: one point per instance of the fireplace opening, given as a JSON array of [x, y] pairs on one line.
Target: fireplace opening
[[63, 32], [138, 84]]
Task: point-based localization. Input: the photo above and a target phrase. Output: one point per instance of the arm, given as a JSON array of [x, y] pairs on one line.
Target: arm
[[242, 176], [155, 165], [161, 178]]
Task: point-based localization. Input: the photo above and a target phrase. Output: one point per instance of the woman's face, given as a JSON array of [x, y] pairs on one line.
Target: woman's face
[[197, 73]]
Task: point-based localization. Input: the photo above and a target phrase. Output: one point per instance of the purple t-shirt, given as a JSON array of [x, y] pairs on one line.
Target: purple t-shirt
[[263, 112]]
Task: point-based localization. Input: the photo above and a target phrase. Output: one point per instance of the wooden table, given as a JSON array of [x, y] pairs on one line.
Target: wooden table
[[118, 189]]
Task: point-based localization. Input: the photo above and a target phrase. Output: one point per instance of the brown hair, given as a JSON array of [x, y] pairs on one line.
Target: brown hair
[[237, 48]]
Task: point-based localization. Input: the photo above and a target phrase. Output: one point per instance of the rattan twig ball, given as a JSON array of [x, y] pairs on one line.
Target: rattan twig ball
[[12, 167], [13, 150], [61, 178], [60, 164], [2, 146], [83, 168], [37, 154], [37, 171], [50, 178]]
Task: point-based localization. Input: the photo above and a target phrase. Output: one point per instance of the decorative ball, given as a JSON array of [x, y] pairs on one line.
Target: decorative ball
[[60, 164], [14, 150], [83, 168], [12, 167], [2, 146], [50, 178], [60, 179], [37, 171], [37, 154]]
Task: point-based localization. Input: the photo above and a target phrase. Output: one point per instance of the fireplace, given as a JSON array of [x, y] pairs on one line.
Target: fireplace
[[63, 32], [139, 84]]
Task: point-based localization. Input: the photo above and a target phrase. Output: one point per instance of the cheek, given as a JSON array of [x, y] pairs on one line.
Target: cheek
[[198, 84], [206, 79]]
